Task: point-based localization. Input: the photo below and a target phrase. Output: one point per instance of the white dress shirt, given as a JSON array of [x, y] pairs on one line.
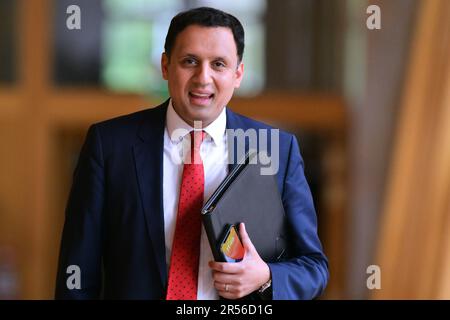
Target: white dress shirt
[[214, 154]]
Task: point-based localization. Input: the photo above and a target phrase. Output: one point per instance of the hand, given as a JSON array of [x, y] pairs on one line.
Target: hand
[[236, 280]]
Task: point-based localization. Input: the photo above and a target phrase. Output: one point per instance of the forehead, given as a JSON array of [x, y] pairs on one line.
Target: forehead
[[205, 41]]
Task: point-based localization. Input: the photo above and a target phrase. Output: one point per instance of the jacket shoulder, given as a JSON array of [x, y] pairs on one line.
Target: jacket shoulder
[[123, 131], [128, 121], [249, 123]]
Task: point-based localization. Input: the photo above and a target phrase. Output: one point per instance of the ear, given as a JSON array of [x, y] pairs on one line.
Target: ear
[[239, 74], [164, 66]]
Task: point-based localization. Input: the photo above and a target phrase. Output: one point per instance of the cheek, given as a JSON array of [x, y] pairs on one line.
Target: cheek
[[178, 81], [225, 83], [182, 80], [227, 86]]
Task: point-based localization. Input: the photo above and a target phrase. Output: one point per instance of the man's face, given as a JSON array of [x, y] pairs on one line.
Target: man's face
[[202, 72]]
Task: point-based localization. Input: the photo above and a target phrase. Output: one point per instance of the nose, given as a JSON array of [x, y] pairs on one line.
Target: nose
[[203, 74]]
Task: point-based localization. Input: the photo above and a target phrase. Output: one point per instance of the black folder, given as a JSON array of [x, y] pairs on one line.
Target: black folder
[[247, 196]]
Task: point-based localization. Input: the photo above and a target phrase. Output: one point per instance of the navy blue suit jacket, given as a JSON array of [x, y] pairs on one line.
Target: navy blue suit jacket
[[114, 227]]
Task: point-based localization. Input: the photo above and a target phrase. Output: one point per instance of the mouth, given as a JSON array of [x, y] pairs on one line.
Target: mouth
[[200, 98]]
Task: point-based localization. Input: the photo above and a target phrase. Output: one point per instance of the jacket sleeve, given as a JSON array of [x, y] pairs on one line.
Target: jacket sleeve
[[80, 252], [304, 274]]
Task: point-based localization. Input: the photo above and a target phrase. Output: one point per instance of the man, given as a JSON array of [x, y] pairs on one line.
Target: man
[[133, 216]]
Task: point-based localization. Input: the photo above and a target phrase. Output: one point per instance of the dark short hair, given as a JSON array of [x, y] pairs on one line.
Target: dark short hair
[[206, 17]]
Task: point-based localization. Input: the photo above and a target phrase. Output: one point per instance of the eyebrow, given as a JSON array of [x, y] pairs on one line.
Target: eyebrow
[[190, 55]]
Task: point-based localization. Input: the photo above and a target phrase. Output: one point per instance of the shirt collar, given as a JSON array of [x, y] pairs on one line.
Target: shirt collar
[[215, 129]]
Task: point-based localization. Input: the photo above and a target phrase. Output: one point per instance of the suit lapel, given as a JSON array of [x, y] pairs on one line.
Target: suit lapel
[[148, 156]]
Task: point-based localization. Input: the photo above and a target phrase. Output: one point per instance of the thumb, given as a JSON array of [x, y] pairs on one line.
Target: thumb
[[248, 245]]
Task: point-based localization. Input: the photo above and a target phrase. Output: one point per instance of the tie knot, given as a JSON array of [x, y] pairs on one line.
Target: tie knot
[[197, 137]]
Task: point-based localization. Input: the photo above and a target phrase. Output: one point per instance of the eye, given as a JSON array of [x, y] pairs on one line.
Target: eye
[[189, 62], [219, 64]]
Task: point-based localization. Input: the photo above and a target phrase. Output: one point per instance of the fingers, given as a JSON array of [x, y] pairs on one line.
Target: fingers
[[226, 278], [227, 291], [224, 287], [225, 267]]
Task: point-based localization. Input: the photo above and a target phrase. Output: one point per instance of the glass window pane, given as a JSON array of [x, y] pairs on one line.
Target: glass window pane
[[77, 51], [132, 42]]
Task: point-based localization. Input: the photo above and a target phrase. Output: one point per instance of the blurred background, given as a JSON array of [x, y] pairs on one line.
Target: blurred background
[[371, 109]]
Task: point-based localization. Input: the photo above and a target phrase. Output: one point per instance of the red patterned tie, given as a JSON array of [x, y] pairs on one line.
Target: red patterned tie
[[183, 271]]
